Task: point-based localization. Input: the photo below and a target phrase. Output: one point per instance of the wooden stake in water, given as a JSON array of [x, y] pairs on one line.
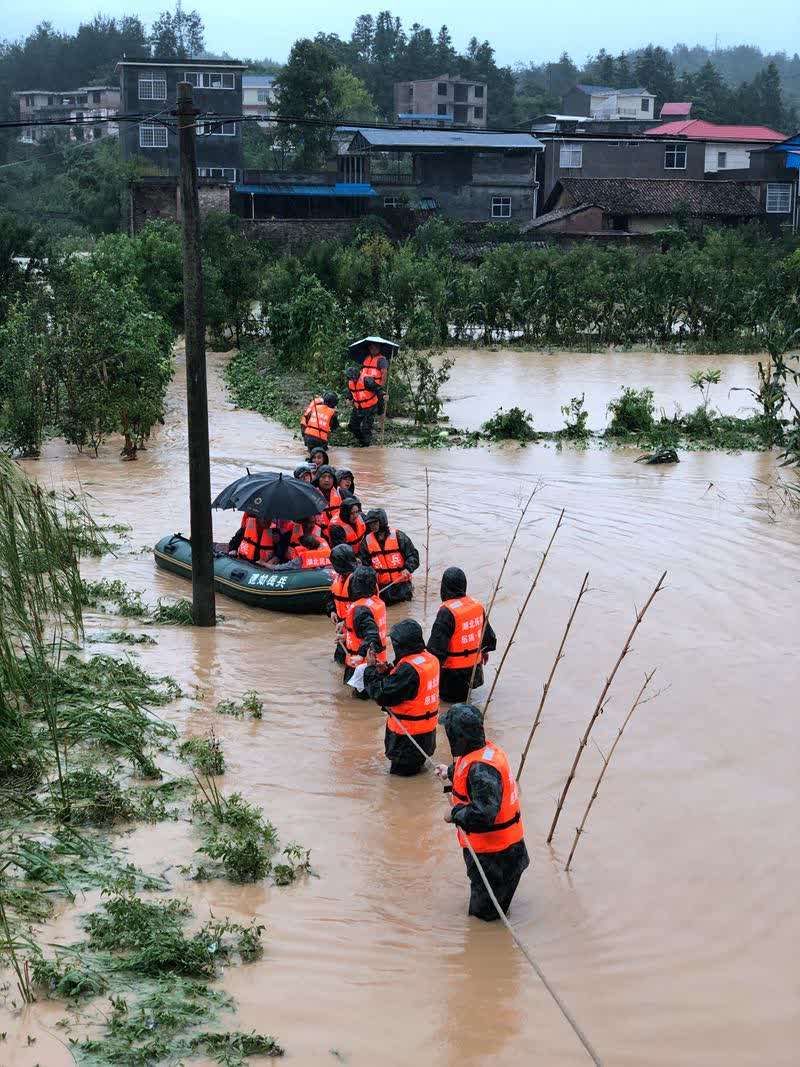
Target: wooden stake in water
[[427, 536], [606, 760], [598, 708], [546, 687], [488, 612], [521, 611]]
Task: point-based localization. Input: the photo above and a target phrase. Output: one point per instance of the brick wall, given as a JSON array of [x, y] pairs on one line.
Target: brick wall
[[159, 198]]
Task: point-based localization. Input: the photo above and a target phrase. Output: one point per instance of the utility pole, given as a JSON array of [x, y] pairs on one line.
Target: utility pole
[[203, 605]]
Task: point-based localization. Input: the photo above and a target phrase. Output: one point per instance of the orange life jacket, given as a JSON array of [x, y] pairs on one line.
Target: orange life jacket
[[354, 535], [464, 649], [298, 532], [352, 642], [312, 557], [420, 714], [316, 419], [370, 369], [363, 398], [331, 512], [340, 587], [256, 544], [387, 561], [507, 829]]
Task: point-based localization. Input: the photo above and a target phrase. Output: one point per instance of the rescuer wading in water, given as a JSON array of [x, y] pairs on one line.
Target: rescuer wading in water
[[456, 638], [485, 810], [392, 555], [410, 690]]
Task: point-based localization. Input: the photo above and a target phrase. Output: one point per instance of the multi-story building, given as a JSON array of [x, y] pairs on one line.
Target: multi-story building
[[605, 102], [259, 96], [446, 99], [151, 86], [97, 102]]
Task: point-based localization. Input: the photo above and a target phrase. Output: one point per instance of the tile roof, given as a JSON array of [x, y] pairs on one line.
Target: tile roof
[[554, 216], [662, 196], [700, 130], [590, 90]]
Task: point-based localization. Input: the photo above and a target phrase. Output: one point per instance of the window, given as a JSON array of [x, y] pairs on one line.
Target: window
[[722, 160], [479, 92], [152, 86], [208, 79], [410, 90], [441, 88], [50, 101], [216, 129], [441, 109], [570, 156], [779, 199], [645, 103], [391, 201], [152, 136], [675, 157], [501, 207], [478, 112], [262, 96], [227, 173], [96, 98], [427, 203]]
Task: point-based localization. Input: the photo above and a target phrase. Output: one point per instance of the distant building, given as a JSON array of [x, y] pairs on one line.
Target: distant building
[[151, 86], [622, 207], [605, 102], [726, 147], [97, 102], [442, 100], [675, 110], [259, 96]]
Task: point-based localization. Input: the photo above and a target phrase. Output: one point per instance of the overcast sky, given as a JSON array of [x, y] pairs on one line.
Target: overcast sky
[[519, 30]]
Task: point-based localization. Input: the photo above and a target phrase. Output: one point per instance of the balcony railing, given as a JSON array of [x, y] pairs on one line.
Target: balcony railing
[[392, 179]]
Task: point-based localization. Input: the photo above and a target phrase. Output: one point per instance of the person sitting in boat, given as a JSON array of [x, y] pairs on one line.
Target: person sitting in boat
[[280, 531], [364, 625], [308, 527], [318, 419], [312, 552], [461, 638], [343, 562], [324, 481], [345, 482], [252, 541], [317, 458], [393, 556], [350, 522], [365, 395], [304, 473]]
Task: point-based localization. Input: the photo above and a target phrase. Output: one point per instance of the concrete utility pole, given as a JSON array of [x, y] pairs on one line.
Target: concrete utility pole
[[203, 605]]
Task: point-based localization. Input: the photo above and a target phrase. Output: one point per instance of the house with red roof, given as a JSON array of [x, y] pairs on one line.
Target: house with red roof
[[726, 147]]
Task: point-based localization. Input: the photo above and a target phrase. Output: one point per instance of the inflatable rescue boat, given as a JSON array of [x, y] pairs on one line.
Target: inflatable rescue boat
[[300, 592]]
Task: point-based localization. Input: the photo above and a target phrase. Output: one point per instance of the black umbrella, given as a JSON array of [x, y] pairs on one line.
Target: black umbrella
[[272, 496], [359, 349], [225, 498]]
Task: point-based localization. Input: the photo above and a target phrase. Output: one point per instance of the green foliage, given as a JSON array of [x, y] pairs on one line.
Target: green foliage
[[703, 380], [237, 836], [25, 378], [512, 425], [421, 377], [631, 412], [112, 593], [204, 753], [575, 419], [250, 704], [308, 330]]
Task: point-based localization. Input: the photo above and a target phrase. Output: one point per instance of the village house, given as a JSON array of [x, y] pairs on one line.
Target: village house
[[638, 207], [259, 97], [605, 102], [151, 86], [444, 100], [99, 103]]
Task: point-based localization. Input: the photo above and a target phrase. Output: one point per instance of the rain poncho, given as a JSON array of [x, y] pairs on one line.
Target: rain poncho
[[401, 591], [454, 684]]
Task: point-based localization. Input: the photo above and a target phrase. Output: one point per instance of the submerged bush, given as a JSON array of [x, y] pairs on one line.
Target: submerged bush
[[631, 412], [575, 419], [204, 753], [512, 425]]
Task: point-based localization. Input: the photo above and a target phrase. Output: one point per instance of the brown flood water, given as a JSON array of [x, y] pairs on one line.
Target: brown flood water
[[674, 939]]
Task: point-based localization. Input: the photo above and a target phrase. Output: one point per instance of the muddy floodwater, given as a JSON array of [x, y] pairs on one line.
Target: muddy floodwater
[[674, 938]]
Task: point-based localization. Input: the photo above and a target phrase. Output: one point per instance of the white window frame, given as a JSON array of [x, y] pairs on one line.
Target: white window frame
[[204, 79], [722, 160], [262, 96], [151, 135], [477, 108], [645, 104], [676, 149], [216, 129], [227, 174], [152, 79], [391, 201], [778, 195], [501, 207], [570, 156]]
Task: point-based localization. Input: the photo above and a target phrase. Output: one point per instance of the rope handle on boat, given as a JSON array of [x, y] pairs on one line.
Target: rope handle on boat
[[584, 1040]]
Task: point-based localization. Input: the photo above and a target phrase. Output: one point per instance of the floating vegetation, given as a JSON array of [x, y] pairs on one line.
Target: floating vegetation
[[120, 637], [250, 704], [113, 596], [237, 837], [204, 753], [512, 425]]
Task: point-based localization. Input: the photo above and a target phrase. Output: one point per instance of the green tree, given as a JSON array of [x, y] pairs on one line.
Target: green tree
[[307, 94], [177, 34], [351, 99], [25, 373]]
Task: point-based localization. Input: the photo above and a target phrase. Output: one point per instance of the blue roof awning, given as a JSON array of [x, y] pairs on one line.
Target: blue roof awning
[[348, 189]]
